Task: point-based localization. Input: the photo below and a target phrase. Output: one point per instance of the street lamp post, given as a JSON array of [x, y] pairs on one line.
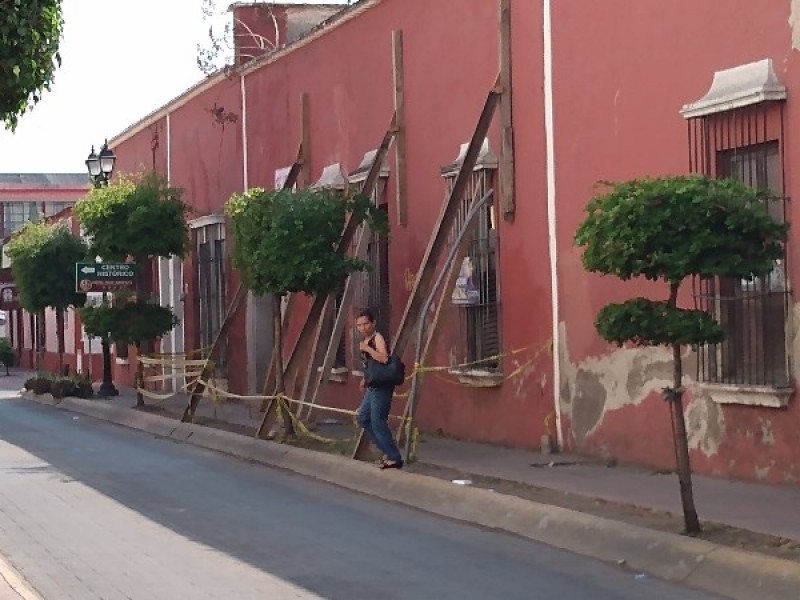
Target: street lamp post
[[101, 167]]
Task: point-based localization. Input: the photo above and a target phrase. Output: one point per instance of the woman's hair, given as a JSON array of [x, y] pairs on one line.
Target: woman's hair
[[367, 314]]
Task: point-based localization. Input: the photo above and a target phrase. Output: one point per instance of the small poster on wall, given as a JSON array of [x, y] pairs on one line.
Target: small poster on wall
[[465, 292]]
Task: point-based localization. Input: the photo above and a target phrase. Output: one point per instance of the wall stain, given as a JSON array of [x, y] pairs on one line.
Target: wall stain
[[597, 385], [762, 473], [705, 424], [767, 436], [600, 384], [588, 404]]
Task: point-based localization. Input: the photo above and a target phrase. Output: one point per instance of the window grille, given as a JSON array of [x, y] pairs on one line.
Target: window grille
[[372, 286], [333, 178], [746, 145], [211, 280], [478, 315]]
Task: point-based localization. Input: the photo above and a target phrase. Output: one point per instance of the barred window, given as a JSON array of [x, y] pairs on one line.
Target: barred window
[[746, 145], [333, 177], [211, 280], [372, 286], [476, 290]]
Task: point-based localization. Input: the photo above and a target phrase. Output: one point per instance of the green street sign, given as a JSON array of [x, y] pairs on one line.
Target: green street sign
[[104, 277]]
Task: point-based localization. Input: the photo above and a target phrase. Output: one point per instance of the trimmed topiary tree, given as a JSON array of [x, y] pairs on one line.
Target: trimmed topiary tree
[[129, 322], [43, 261], [139, 322], [30, 33], [667, 229], [140, 217], [285, 242]]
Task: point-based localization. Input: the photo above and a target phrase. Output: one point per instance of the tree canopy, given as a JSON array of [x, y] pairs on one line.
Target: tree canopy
[[668, 229], [30, 34], [128, 322], [43, 261], [286, 241], [137, 215], [673, 227]]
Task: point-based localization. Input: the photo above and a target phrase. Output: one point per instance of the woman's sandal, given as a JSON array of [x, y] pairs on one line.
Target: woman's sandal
[[392, 465]]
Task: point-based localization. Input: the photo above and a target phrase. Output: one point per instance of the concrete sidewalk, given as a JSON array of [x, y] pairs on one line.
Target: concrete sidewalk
[[761, 508], [723, 569]]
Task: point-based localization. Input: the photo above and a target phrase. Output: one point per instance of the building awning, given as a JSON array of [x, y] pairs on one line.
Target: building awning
[[738, 87]]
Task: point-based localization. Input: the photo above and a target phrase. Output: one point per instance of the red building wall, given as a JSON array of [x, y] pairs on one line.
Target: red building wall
[[449, 70], [451, 63], [621, 71], [617, 103]]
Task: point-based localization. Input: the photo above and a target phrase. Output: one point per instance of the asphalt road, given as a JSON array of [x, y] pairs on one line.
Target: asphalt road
[[92, 510]]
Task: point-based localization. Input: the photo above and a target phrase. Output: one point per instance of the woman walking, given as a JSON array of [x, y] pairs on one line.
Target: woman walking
[[373, 415]]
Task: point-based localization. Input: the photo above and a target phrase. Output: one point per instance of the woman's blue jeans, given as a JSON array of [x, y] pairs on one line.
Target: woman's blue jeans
[[373, 416]]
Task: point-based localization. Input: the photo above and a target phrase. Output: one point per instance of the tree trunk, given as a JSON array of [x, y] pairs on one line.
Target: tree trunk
[[280, 384], [139, 378], [36, 324], [680, 439], [60, 336], [145, 289]]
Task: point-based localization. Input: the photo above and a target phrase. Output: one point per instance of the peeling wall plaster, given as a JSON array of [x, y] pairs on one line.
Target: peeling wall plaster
[[597, 385], [705, 424], [627, 376], [767, 437], [794, 23]]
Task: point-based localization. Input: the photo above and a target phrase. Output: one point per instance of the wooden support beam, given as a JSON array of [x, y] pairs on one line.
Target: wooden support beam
[[269, 380], [297, 355], [198, 388], [401, 179], [305, 139], [452, 275], [438, 239], [317, 391], [506, 166], [318, 349], [310, 326], [450, 281]]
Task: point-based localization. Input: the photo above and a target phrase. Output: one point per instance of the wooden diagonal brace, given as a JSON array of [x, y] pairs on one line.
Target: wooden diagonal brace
[[317, 391], [438, 239], [311, 324], [199, 387]]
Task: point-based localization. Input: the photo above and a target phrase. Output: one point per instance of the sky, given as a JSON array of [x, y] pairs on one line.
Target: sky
[[121, 60]]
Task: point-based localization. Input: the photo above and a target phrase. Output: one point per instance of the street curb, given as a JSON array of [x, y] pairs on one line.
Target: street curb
[[14, 580], [736, 574]]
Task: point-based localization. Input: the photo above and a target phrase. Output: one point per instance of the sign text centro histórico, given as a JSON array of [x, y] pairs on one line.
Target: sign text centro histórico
[[104, 277]]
